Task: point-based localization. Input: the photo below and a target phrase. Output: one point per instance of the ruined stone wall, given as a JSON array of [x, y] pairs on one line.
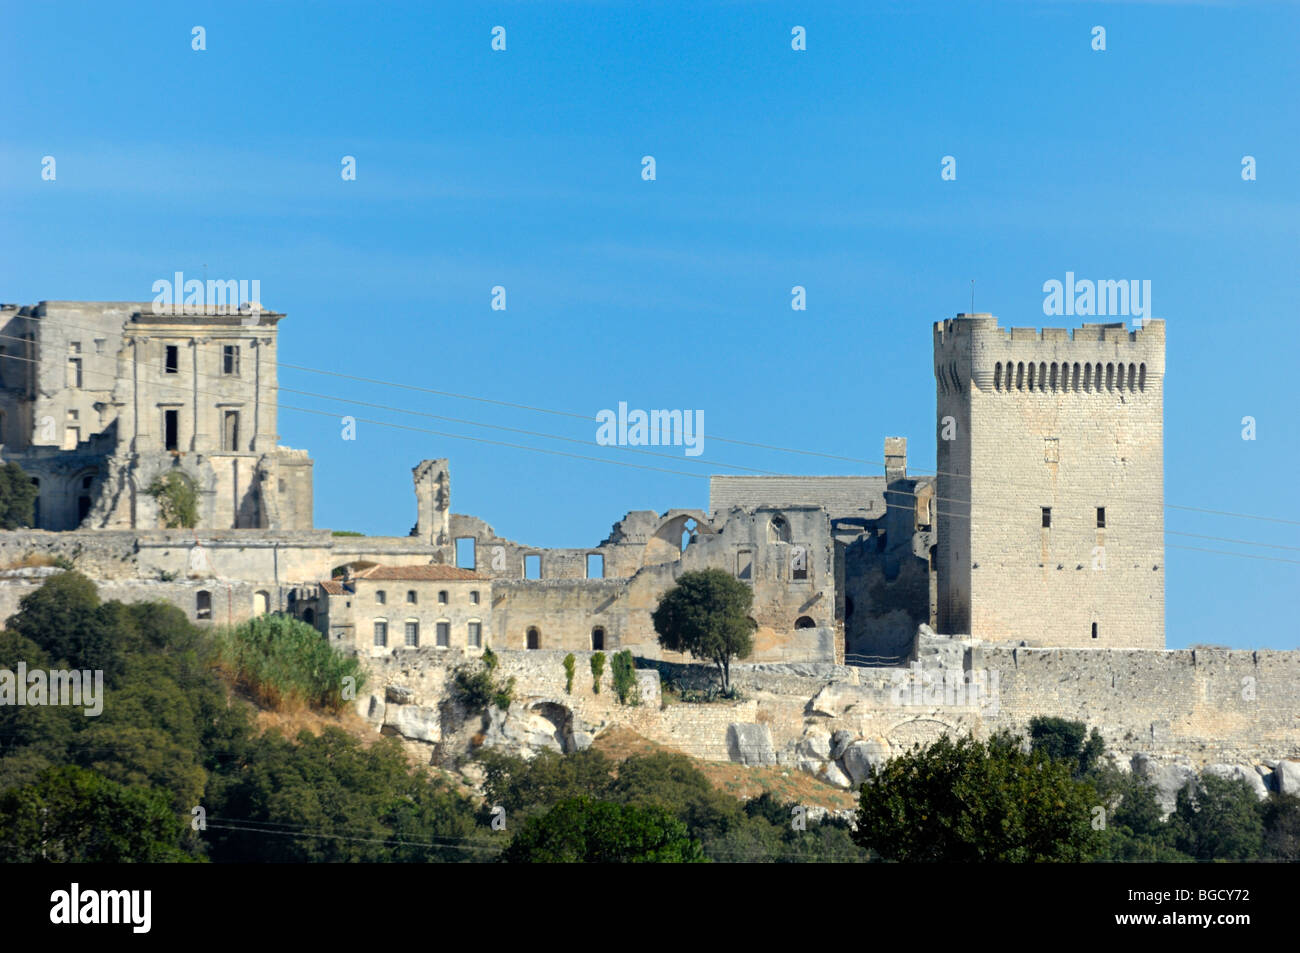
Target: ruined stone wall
[[229, 602], [1191, 707]]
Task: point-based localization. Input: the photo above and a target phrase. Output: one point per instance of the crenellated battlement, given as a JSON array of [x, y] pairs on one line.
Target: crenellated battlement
[[1092, 359]]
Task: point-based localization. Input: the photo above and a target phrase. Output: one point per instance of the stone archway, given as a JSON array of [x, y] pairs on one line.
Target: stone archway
[[673, 535]]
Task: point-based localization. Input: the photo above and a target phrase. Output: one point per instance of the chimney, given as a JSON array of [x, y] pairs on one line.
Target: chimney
[[895, 459]]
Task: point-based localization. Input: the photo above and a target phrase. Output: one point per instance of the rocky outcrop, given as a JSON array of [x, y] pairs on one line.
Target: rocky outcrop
[[750, 744]]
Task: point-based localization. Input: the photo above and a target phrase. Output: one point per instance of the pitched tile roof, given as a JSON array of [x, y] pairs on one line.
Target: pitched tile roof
[[431, 573], [332, 586]]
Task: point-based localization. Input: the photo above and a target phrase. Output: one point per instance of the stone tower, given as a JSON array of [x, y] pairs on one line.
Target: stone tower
[[1050, 492]]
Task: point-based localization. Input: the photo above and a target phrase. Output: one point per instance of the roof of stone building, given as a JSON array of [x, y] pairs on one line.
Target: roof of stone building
[[332, 586], [435, 573], [840, 495]]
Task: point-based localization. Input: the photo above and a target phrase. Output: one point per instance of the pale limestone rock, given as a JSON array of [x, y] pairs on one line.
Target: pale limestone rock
[[1168, 778], [839, 742], [416, 722], [862, 757], [750, 744], [1287, 776]]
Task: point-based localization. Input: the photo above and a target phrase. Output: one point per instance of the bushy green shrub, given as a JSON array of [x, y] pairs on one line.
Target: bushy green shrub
[[17, 497], [597, 670], [479, 688], [569, 663], [285, 664], [178, 503], [625, 686]]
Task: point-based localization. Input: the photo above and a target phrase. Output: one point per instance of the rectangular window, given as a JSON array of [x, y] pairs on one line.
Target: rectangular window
[[74, 372], [1047, 517], [799, 563], [381, 633], [465, 552], [444, 635], [172, 359], [473, 597], [1051, 450], [230, 360], [476, 635], [99, 345], [230, 430], [413, 634], [1094, 630], [532, 567], [745, 564], [595, 566], [381, 597], [171, 429], [410, 596], [1101, 517], [442, 597]]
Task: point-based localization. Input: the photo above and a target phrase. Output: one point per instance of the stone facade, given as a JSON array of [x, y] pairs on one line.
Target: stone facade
[[377, 610], [99, 399]]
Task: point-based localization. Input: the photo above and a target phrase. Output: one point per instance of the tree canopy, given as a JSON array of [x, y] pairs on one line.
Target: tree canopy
[[707, 615]]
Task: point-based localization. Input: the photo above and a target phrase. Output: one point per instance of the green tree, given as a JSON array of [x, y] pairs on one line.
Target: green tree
[[597, 670], [328, 798], [1282, 827], [968, 801], [706, 614], [17, 497], [1135, 827], [64, 617], [524, 787], [1067, 741], [71, 815], [580, 830], [569, 664], [1218, 819]]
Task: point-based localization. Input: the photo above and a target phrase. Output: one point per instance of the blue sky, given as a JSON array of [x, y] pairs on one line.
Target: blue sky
[[775, 168]]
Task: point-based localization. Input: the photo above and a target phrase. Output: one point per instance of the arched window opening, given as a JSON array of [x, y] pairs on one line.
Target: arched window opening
[[997, 376], [1055, 373], [1142, 376], [1110, 377], [1042, 376], [688, 533], [1132, 377], [778, 530], [1031, 375], [804, 622], [1075, 378], [533, 640], [261, 602], [1020, 375], [597, 639], [203, 605]]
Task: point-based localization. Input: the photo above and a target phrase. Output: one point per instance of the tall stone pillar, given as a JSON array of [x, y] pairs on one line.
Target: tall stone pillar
[[433, 502], [202, 439], [142, 437], [265, 437]]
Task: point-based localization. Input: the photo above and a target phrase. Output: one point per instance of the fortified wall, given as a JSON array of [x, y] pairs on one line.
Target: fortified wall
[[1234, 712]]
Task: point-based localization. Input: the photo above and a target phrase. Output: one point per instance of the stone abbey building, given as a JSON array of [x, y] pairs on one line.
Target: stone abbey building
[[1043, 525], [100, 399]]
